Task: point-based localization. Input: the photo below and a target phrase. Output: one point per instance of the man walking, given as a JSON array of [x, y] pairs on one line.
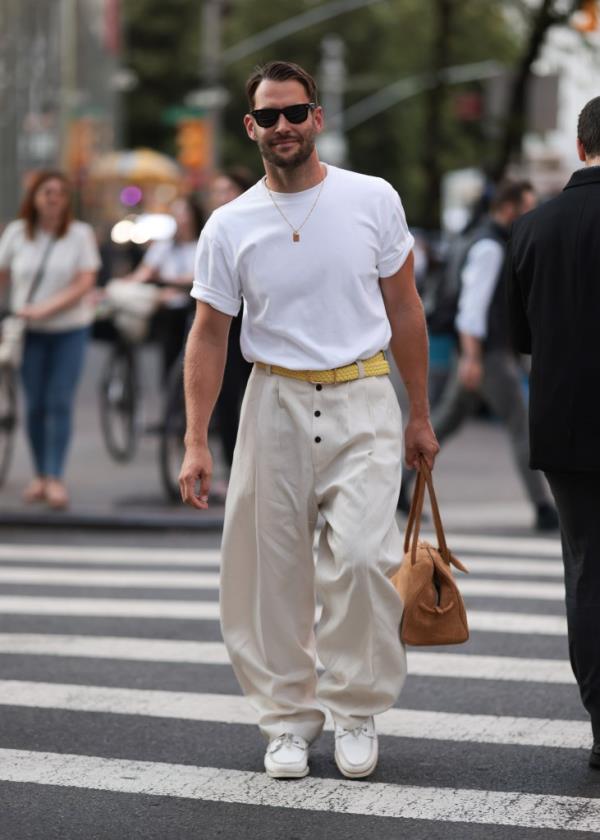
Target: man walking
[[554, 304], [323, 260], [487, 366]]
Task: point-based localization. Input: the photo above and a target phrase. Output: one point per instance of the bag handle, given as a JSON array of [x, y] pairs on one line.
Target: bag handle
[[413, 525]]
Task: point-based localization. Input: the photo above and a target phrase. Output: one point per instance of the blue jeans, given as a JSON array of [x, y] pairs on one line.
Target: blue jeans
[[52, 365]]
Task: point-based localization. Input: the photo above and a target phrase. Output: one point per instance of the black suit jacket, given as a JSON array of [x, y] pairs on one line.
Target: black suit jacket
[[553, 286]]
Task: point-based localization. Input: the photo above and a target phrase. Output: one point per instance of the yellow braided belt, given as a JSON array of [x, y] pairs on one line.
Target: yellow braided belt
[[377, 365]]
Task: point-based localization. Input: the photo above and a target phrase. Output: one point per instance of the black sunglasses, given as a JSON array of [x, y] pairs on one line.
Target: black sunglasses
[[295, 114]]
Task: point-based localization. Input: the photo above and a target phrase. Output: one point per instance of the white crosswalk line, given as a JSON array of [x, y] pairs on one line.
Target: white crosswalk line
[[521, 623], [491, 565], [226, 708], [373, 799], [521, 546], [112, 554], [111, 578], [118, 607], [465, 666], [43, 576], [481, 620], [497, 588]]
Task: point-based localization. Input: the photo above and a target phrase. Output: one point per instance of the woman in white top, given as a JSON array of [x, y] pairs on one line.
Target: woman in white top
[[171, 262], [47, 245]]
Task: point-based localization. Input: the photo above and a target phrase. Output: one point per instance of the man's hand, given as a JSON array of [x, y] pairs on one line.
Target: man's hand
[[420, 439], [197, 467], [470, 372]]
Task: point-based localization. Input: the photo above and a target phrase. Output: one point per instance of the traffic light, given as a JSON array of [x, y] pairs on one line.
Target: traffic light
[[587, 19], [193, 143]]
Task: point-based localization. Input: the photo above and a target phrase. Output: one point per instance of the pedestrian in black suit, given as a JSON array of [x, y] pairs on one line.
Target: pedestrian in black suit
[[553, 283]]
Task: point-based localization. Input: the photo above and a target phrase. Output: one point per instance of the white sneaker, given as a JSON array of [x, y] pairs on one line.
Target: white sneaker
[[356, 749], [287, 757]]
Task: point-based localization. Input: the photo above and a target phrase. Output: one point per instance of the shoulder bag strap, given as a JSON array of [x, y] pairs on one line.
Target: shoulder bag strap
[[39, 275]]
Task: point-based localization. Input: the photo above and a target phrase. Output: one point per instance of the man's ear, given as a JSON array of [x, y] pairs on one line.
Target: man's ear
[[250, 127], [581, 150], [319, 117]]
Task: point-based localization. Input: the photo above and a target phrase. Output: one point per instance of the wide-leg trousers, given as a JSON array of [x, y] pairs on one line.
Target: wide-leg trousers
[[305, 449], [577, 496]]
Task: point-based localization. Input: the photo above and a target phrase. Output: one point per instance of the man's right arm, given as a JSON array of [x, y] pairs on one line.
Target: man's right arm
[[205, 356]]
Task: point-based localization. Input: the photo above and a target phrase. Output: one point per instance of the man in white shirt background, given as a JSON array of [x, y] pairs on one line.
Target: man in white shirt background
[[322, 258], [487, 365]]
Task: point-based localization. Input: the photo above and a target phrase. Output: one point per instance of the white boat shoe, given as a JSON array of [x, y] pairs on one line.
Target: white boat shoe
[[356, 749], [287, 757]]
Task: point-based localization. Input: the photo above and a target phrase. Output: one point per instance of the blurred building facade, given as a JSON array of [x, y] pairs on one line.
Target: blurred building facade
[[59, 86]]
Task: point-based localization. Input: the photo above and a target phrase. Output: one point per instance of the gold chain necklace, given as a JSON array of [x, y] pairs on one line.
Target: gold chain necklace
[[295, 230]]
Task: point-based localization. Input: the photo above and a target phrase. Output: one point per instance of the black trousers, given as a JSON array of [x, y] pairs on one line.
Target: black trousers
[[577, 496], [235, 377]]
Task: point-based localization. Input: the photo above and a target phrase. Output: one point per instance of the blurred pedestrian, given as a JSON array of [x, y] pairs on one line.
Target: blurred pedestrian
[[323, 259], [554, 303], [487, 366], [225, 187], [47, 246], [170, 263]]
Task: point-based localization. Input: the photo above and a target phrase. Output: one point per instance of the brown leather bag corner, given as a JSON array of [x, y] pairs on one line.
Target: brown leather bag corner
[[434, 612]]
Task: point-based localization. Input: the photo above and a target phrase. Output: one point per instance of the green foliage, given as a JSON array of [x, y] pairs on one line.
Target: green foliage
[[384, 42]]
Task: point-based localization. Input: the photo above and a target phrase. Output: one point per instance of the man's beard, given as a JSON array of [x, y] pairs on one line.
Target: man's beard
[[305, 150]]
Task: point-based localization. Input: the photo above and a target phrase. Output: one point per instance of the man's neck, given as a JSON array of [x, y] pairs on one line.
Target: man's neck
[[595, 161], [303, 177]]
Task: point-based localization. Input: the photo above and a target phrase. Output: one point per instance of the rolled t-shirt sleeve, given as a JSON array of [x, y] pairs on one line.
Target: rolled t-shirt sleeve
[[7, 244], [396, 239], [89, 256], [215, 281]]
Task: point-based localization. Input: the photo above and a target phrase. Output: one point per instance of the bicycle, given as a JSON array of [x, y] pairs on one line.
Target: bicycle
[[119, 400], [8, 418]]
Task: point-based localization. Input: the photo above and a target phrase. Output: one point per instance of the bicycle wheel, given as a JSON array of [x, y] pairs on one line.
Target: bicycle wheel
[[171, 449], [119, 402], [8, 419]]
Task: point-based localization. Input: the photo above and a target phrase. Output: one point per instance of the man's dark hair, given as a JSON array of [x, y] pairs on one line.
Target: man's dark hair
[[281, 71], [509, 192], [588, 127]]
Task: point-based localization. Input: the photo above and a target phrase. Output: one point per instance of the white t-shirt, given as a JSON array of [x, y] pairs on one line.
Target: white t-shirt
[[171, 259], [478, 283], [313, 304], [74, 252]]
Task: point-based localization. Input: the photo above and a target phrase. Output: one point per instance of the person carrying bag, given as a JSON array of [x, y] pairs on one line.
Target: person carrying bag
[[434, 612]]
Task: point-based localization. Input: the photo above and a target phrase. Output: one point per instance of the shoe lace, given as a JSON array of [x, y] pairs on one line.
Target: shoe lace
[[285, 740], [362, 729]]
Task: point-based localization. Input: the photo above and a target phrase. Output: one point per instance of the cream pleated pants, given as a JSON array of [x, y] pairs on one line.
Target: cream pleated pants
[[302, 450]]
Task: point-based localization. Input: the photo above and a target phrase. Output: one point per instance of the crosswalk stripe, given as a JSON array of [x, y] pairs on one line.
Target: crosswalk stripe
[[111, 578], [521, 546], [490, 622], [373, 799], [112, 555], [121, 607], [518, 568], [226, 708], [488, 587], [521, 623], [464, 666], [497, 588]]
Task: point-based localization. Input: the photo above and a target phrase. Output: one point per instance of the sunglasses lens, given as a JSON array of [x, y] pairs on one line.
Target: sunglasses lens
[[266, 117], [296, 113]]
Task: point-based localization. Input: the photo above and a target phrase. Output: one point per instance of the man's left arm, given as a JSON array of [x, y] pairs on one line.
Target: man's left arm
[[409, 347]]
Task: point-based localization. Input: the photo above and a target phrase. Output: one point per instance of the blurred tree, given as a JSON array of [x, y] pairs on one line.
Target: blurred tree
[[539, 20], [161, 47]]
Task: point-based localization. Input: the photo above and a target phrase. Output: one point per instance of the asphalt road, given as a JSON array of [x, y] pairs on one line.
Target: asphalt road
[[121, 718]]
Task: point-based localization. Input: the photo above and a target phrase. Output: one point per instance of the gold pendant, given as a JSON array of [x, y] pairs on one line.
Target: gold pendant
[[295, 236]]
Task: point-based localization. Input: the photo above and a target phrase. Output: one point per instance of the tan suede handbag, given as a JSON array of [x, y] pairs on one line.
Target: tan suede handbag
[[434, 611]]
